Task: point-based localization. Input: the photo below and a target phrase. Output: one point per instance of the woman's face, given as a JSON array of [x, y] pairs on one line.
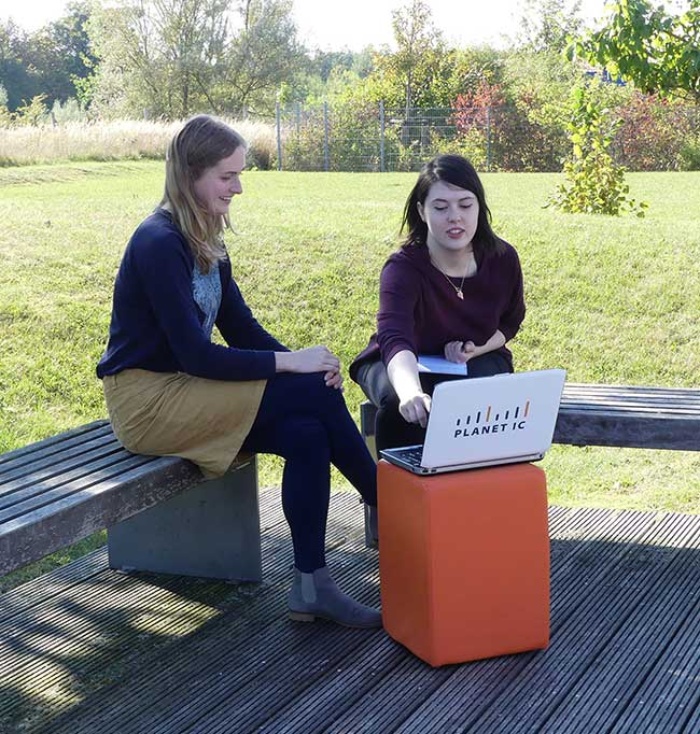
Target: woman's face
[[451, 215], [216, 187]]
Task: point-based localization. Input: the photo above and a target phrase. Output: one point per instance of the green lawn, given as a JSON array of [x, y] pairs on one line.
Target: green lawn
[[611, 300]]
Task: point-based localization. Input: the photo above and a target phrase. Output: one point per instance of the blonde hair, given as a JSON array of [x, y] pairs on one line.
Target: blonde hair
[[201, 144]]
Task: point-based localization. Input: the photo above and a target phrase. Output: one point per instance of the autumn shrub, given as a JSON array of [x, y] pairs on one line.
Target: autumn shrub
[[655, 133], [512, 138]]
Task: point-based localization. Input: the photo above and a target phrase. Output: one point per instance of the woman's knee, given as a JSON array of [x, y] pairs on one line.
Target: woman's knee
[[492, 363], [305, 436], [374, 381]]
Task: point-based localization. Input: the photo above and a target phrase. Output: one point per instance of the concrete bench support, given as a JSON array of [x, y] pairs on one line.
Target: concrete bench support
[[211, 531]]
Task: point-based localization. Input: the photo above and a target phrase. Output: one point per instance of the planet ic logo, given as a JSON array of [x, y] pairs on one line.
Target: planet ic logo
[[487, 421]]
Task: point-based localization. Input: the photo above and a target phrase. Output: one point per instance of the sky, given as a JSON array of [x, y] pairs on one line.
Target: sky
[[355, 24]]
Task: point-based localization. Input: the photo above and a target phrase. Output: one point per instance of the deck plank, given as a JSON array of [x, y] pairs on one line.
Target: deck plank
[[84, 649]]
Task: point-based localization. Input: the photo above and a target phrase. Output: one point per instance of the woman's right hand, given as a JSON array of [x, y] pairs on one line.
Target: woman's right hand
[[414, 404], [416, 409], [311, 359]]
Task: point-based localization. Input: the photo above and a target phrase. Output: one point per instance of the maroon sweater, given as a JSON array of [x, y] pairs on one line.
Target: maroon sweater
[[420, 311]]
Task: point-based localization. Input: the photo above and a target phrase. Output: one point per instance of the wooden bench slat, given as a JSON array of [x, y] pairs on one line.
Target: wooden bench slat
[[45, 466], [82, 482], [50, 476], [672, 407], [37, 486], [56, 444], [601, 388], [632, 411], [39, 532], [655, 399], [616, 398]]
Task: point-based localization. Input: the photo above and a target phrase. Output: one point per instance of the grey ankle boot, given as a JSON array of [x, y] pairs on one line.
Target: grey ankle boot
[[316, 595]]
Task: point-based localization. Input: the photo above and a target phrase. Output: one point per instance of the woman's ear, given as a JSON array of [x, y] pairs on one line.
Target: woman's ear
[[419, 209]]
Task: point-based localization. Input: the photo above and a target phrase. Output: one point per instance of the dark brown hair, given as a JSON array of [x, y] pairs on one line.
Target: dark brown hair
[[458, 171]]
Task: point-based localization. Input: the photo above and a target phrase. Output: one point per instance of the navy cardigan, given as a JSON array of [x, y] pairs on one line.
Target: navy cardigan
[[156, 324]]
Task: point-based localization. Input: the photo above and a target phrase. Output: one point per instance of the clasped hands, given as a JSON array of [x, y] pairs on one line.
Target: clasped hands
[[460, 352]]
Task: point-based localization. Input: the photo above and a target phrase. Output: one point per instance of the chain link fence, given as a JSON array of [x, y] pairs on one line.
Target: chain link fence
[[497, 138]]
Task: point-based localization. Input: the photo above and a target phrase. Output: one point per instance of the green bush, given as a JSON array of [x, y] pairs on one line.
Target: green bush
[[595, 183], [690, 156]]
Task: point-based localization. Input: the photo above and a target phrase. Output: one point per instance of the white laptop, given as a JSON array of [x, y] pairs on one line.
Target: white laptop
[[486, 421]]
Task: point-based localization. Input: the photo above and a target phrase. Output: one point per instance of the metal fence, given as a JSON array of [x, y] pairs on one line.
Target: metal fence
[[329, 138], [497, 138]]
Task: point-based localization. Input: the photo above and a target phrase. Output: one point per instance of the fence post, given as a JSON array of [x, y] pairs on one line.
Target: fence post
[[279, 136], [382, 122], [488, 138], [326, 163]]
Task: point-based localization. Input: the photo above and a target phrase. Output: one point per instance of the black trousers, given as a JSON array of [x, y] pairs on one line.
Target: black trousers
[[391, 430], [308, 424]]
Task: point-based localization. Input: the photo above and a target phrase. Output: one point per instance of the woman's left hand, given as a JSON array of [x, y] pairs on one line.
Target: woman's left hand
[[334, 379]]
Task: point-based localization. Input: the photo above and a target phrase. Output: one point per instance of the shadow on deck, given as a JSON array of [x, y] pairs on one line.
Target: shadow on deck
[[87, 650]]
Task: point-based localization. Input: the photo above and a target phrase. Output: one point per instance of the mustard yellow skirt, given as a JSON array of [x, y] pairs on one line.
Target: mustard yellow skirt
[[175, 414]]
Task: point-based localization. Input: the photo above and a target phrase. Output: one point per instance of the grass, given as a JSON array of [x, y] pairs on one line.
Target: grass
[[611, 300]]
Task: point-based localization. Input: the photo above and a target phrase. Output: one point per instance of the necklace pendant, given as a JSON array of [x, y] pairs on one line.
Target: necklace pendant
[[460, 295]]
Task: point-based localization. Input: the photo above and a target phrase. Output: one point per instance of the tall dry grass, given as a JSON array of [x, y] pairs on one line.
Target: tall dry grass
[[119, 140]]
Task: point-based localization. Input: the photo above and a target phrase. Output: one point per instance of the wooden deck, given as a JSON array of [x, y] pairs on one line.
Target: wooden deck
[[85, 650]]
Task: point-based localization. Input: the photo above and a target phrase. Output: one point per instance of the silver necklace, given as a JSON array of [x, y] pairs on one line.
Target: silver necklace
[[458, 290]]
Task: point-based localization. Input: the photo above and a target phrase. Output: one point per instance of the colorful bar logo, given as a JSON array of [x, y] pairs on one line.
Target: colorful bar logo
[[487, 421]]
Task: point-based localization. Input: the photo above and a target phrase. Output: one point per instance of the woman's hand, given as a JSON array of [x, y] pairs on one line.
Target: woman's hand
[[415, 409], [464, 351], [334, 379], [460, 352], [312, 359]]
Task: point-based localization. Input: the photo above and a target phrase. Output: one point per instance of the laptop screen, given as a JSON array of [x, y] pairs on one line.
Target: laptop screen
[[491, 418]]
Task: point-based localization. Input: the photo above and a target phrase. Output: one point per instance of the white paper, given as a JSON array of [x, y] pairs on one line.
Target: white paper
[[440, 365]]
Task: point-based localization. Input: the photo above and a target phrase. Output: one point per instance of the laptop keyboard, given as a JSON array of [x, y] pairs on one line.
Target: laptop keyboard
[[411, 455]]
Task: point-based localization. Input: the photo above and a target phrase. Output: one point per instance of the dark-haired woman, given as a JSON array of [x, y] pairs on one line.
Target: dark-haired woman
[[453, 289], [171, 390]]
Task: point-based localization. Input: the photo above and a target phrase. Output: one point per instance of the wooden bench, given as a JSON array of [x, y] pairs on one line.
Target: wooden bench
[[161, 514], [615, 415], [610, 415]]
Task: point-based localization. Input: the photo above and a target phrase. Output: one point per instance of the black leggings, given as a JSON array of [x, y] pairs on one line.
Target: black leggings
[[309, 425], [390, 429]]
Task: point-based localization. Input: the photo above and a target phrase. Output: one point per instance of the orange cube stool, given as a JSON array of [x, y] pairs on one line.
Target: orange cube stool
[[464, 561]]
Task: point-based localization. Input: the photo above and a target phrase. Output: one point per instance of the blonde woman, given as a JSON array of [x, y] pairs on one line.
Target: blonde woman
[[170, 390]]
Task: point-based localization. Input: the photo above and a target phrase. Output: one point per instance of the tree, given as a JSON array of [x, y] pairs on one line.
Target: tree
[[156, 55], [59, 54], [15, 75], [48, 62], [170, 58], [261, 57], [419, 48], [657, 51], [548, 25]]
